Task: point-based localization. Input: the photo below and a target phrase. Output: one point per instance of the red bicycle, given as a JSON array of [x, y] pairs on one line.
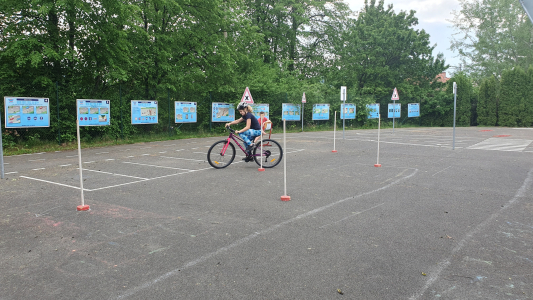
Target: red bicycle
[[222, 153]]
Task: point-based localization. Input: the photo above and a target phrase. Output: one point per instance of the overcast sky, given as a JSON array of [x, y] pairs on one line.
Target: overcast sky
[[432, 17]]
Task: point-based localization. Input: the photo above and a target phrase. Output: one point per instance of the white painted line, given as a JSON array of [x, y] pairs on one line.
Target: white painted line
[[38, 169], [101, 153], [36, 159], [182, 158], [70, 186], [39, 153], [109, 159], [163, 152], [442, 265], [65, 165], [155, 166], [108, 187], [169, 145], [130, 156], [353, 214], [89, 162], [200, 153], [441, 170], [194, 148], [10, 173], [114, 174], [57, 151], [250, 237], [6, 163], [71, 156], [180, 150], [145, 154]]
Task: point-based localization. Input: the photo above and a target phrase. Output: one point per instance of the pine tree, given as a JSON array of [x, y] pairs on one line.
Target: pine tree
[[487, 109]]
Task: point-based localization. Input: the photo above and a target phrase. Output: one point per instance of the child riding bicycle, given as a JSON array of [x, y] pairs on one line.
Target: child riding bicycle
[[252, 128]]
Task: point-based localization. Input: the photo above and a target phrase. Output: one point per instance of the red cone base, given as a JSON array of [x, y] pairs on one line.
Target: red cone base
[[334, 151], [377, 165], [285, 198], [261, 169], [83, 207]]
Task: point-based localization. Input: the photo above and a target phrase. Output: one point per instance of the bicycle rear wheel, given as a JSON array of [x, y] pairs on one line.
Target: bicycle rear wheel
[[272, 153], [216, 158]]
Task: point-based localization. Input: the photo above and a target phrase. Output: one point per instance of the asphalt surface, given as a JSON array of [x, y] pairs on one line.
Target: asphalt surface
[[431, 223]]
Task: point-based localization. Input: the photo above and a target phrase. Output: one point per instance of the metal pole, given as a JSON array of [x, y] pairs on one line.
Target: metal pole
[[211, 113], [343, 119], [58, 121], [334, 130], [393, 113], [379, 129], [79, 161], [121, 120], [284, 161], [169, 115], [454, 111], [1, 154], [302, 116]]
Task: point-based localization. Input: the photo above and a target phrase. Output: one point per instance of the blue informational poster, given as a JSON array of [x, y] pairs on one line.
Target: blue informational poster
[[26, 112], [394, 110], [143, 112], [373, 110], [93, 112], [413, 110], [290, 112], [222, 112], [185, 112], [260, 107], [348, 111], [320, 111]]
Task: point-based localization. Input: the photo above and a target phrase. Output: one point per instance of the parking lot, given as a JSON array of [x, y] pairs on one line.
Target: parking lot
[[431, 223]]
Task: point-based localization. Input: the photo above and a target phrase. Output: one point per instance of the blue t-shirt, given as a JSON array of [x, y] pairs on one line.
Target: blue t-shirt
[[254, 123]]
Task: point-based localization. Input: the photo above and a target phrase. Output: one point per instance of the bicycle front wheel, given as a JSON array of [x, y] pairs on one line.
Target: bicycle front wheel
[[271, 155], [219, 158]]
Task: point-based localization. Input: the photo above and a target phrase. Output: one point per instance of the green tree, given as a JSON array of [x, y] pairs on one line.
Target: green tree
[[491, 36], [465, 96], [513, 95], [487, 108]]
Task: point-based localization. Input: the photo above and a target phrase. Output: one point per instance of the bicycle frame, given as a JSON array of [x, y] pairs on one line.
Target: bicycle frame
[[235, 137]]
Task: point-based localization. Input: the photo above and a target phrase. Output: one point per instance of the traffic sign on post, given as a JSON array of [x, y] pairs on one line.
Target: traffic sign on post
[[303, 99], [395, 95], [343, 93], [247, 97]]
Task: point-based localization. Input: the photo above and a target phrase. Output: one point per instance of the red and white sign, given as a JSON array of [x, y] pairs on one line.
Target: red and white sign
[[303, 99], [395, 95], [247, 97]]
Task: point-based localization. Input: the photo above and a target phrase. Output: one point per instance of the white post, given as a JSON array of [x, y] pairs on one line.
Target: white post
[[379, 129], [1, 158], [82, 206], [261, 148], [454, 109], [334, 130], [302, 116], [285, 197]]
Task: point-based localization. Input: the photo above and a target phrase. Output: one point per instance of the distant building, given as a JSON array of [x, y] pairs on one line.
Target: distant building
[[442, 77]]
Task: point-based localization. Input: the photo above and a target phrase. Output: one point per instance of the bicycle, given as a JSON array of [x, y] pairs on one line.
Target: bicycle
[[222, 153]]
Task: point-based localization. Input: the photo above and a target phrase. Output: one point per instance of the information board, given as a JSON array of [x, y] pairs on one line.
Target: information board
[[185, 112], [413, 110], [143, 112], [260, 107], [93, 112], [395, 110], [320, 111], [26, 112], [290, 112], [222, 112], [348, 111], [373, 110]]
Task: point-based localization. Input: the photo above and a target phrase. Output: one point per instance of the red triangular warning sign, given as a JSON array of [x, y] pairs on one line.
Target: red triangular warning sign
[[395, 95], [247, 97]]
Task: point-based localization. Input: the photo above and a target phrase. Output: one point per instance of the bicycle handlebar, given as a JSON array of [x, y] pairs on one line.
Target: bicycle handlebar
[[230, 130]]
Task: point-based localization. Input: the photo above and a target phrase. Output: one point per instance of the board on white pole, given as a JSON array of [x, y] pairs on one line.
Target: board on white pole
[[302, 112], [1, 156], [377, 165], [334, 130], [285, 197], [82, 206]]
